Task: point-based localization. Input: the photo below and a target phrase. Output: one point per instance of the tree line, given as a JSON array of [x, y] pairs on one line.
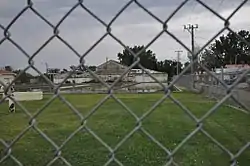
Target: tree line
[[227, 49], [148, 60]]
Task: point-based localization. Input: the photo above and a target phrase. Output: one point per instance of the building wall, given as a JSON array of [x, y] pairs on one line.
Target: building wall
[[161, 77], [114, 77], [149, 85], [71, 80], [6, 78], [110, 68], [77, 78], [109, 77], [108, 71]]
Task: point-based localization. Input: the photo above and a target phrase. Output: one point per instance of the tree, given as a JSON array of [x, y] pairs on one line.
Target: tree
[[42, 77], [169, 67], [80, 68], [92, 68], [147, 57], [230, 49], [178, 65], [185, 66], [8, 68], [24, 77], [212, 60], [53, 70], [63, 71], [73, 67], [165, 66]]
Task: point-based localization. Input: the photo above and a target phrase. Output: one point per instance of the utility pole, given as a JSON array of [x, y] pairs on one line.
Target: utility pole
[[47, 67], [178, 60], [190, 28]]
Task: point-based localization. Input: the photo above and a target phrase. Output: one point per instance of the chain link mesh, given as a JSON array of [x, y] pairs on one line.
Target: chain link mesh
[[56, 34]]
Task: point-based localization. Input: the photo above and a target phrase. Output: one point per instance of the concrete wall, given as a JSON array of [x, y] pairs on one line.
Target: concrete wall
[[147, 87], [161, 77], [27, 96], [110, 77]]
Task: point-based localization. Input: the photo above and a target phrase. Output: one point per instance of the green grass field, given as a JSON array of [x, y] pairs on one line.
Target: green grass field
[[169, 124]]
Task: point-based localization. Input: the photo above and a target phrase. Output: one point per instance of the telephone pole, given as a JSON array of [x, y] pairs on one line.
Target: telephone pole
[[190, 28], [178, 60], [47, 67]]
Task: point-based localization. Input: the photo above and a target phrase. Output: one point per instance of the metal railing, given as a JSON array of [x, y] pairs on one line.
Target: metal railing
[[56, 35]]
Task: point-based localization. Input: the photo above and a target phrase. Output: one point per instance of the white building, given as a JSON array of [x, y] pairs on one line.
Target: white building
[[142, 76], [75, 78], [6, 77], [231, 71], [144, 82], [111, 70]]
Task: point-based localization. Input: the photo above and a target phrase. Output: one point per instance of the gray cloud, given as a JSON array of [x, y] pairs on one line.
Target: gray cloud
[[133, 27]]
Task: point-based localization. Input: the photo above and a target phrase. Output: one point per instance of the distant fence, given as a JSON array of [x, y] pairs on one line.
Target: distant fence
[[121, 87], [211, 88]]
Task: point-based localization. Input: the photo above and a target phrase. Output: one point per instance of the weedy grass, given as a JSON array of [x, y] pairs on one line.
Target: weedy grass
[[168, 123]]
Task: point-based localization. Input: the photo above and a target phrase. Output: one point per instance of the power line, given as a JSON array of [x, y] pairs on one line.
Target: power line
[[218, 6]]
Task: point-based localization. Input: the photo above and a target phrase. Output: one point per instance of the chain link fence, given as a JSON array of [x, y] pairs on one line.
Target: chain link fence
[[55, 27], [213, 89]]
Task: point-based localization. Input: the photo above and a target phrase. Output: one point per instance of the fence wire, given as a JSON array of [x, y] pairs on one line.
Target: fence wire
[[56, 34]]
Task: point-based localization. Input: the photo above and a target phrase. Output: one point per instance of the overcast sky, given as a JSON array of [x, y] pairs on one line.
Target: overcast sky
[[133, 27]]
